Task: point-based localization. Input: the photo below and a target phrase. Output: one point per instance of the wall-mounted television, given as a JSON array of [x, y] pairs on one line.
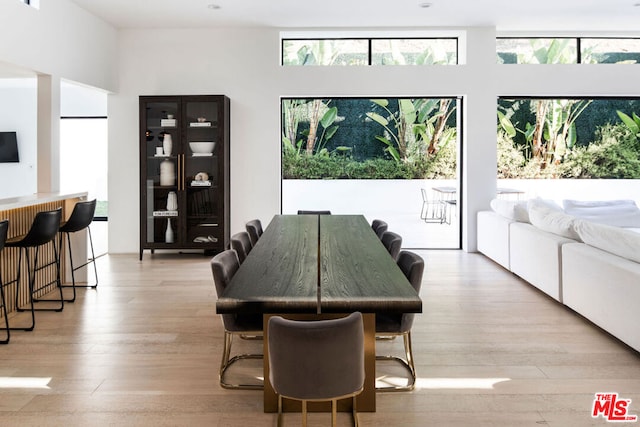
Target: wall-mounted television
[[8, 147]]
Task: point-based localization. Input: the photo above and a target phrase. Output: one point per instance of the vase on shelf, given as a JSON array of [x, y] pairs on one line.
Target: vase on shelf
[[167, 173], [168, 234], [172, 201], [167, 144]]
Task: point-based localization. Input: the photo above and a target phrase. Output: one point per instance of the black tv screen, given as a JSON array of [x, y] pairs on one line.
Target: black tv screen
[[8, 147]]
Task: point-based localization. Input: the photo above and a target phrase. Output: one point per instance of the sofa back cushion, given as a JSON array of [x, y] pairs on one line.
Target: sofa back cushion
[[619, 213], [615, 240], [552, 220], [511, 209]]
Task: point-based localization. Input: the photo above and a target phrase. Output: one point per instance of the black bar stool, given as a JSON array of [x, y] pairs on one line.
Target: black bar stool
[[43, 230], [80, 218], [4, 227]]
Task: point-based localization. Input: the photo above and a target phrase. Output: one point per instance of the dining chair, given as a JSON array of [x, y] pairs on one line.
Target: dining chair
[[393, 242], [393, 325], [379, 226], [80, 219], [4, 228], [304, 212], [223, 266], [241, 243], [320, 360], [254, 228]]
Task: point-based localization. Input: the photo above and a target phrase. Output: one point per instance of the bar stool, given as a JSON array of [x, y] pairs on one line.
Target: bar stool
[[43, 230], [81, 217], [4, 226]]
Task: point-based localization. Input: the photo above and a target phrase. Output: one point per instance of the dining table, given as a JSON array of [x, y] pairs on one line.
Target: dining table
[[311, 267]]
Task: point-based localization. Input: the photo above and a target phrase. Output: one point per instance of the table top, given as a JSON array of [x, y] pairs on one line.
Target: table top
[[319, 264]]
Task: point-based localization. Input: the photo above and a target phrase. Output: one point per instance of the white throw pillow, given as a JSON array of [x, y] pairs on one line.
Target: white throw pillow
[[552, 221], [511, 209], [619, 213], [618, 241], [546, 203]]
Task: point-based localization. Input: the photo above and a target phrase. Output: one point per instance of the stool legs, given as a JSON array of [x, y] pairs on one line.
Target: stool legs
[[92, 260], [4, 313], [32, 270]]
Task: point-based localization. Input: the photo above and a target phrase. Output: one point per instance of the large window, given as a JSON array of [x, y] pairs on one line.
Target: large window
[[573, 148], [568, 50], [369, 51], [391, 158]]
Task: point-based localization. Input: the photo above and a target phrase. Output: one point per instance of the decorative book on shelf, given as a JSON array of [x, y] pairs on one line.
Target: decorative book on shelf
[[200, 124], [168, 123], [195, 183], [165, 213]]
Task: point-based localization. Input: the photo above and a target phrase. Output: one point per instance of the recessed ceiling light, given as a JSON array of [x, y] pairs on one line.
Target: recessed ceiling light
[[425, 5], [213, 6]]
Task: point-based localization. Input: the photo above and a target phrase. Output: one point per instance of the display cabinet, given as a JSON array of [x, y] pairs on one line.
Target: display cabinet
[[184, 173]]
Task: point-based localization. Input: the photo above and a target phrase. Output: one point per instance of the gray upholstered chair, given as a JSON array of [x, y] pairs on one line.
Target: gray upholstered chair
[[392, 325], [379, 226], [303, 212], [319, 360], [241, 243], [223, 266], [254, 228], [393, 243]]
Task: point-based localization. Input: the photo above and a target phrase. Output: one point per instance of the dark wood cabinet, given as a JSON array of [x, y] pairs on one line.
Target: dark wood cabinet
[[184, 172]]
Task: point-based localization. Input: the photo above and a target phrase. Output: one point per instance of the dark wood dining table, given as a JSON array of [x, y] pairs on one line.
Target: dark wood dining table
[[320, 266]]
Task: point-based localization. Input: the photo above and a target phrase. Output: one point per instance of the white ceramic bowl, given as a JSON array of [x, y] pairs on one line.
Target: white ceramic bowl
[[202, 147]]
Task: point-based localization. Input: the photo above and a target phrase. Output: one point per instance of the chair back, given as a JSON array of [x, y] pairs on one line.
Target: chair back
[[241, 243], [412, 266], [81, 217], [4, 228], [43, 229], [393, 243], [424, 195], [314, 212], [223, 266], [379, 226], [321, 359], [254, 228]]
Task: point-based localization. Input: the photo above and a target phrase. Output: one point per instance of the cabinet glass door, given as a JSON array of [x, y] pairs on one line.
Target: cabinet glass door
[[201, 174], [163, 149]]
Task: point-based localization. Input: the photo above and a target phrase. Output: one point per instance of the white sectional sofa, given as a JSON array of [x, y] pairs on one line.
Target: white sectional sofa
[[590, 265]]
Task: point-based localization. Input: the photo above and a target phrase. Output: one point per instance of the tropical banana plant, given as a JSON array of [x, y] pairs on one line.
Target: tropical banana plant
[[632, 122], [317, 113]]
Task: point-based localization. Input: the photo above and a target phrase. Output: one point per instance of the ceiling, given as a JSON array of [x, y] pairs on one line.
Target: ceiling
[[506, 15]]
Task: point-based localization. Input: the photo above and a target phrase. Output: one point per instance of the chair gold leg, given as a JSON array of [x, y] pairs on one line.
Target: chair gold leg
[[355, 412], [304, 413], [406, 363], [227, 361], [333, 412], [279, 411]]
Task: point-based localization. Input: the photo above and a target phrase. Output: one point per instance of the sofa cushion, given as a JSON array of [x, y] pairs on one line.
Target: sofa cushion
[[615, 240], [511, 209], [619, 213], [553, 221]]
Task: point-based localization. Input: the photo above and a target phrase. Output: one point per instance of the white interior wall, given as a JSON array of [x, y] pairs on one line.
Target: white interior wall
[[18, 113]]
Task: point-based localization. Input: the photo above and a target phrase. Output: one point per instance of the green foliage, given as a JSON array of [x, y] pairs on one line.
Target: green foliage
[[633, 122], [510, 157]]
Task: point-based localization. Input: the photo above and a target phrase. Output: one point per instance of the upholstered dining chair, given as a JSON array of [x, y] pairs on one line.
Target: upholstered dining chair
[[320, 360], [241, 243], [304, 212], [393, 242], [379, 226], [392, 325], [223, 266], [4, 228], [254, 228]]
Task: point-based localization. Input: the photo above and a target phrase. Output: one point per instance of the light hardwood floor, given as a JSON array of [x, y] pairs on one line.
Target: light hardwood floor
[[143, 350]]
